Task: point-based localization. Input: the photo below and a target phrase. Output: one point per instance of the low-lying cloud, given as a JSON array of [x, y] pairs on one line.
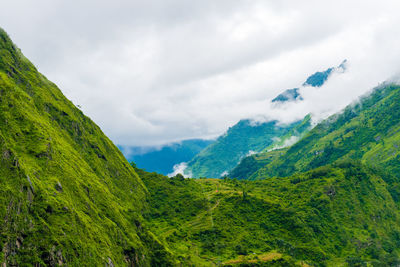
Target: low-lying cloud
[[180, 169], [154, 72]]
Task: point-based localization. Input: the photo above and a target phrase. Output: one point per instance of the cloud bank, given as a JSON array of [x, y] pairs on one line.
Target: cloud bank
[[154, 72]]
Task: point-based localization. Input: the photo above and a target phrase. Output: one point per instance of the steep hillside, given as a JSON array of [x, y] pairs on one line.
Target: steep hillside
[[67, 194], [253, 163], [242, 139], [346, 214], [163, 159], [69, 197], [245, 138], [368, 130]]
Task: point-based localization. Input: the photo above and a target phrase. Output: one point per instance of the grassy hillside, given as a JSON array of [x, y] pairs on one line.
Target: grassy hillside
[[69, 197], [368, 131], [226, 152], [245, 138], [67, 194], [339, 215], [253, 163]]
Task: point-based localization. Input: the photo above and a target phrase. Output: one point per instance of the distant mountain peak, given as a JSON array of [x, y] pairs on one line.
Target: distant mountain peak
[[288, 96], [318, 78], [315, 80], [342, 67]]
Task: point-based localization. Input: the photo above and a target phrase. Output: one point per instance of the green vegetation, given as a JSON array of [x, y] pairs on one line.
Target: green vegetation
[[246, 137], [368, 131], [67, 194], [334, 215], [243, 138], [253, 163]]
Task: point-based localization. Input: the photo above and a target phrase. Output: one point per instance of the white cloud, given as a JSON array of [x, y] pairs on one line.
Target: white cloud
[[180, 169], [251, 152], [288, 142], [153, 72]]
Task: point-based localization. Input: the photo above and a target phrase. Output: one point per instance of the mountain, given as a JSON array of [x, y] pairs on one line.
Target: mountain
[[242, 139], [288, 96], [252, 163], [315, 80], [218, 159], [163, 159], [368, 130], [320, 77], [67, 194], [335, 204], [69, 197], [246, 137], [345, 214]]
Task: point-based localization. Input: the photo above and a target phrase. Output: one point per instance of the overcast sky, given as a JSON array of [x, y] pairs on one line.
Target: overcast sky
[[151, 72]]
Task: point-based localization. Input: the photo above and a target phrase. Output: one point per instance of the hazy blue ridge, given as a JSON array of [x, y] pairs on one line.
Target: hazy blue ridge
[[245, 138], [162, 159], [288, 95], [318, 78]]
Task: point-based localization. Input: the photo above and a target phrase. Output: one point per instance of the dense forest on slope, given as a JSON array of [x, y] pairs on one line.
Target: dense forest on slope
[[252, 163], [67, 194], [341, 214], [368, 130], [247, 137], [69, 197], [225, 153]]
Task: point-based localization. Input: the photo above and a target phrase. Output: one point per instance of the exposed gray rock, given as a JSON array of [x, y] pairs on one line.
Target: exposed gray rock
[[30, 183], [58, 187]]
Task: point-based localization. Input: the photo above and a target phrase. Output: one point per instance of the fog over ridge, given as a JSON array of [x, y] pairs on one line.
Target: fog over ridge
[[155, 72]]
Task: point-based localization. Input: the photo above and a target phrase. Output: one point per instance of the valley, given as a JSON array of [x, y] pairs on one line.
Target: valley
[[327, 195]]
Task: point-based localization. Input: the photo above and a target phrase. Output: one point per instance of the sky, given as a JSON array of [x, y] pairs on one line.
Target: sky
[[158, 71]]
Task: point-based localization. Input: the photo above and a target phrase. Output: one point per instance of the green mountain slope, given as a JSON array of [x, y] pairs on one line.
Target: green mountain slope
[[67, 194], [346, 214], [244, 138], [69, 197], [225, 153], [253, 163], [368, 130]]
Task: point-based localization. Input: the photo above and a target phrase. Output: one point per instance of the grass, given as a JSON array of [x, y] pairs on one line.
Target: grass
[[327, 216], [67, 193]]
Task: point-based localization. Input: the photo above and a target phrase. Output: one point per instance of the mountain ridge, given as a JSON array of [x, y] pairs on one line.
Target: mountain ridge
[[345, 214], [68, 195], [359, 132], [221, 157], [163, 159]]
